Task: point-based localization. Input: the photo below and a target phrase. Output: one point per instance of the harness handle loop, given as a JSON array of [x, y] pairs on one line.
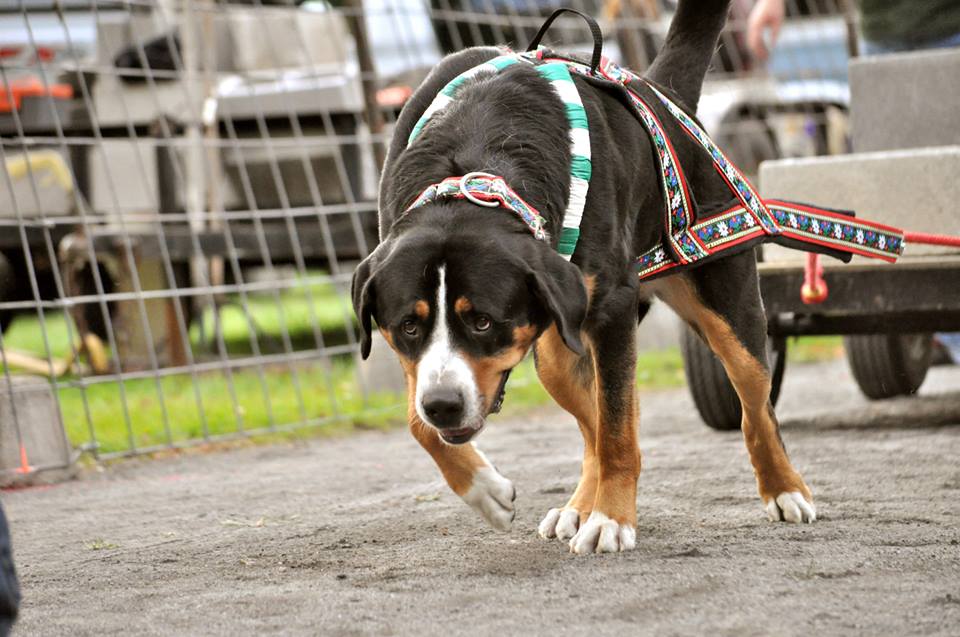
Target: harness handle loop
[[469, 196], [594, 31]]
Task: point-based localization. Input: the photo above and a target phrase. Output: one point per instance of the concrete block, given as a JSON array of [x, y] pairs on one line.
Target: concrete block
[[911, 189], [906, 100], [33, 445], [381, 371]]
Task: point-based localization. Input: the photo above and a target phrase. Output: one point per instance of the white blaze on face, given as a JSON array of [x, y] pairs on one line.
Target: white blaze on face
[[441, 365]]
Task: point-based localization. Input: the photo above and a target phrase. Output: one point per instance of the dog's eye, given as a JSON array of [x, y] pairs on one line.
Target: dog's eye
[[482, 323], [409, 327]]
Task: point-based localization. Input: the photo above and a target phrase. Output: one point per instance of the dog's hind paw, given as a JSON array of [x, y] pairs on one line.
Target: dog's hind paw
[[600, 534], [492, 496], [791, 507], [559, 523]]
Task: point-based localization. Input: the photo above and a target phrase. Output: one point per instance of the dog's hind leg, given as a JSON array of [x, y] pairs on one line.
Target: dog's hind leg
[[721, 301], [469, 474], [569, 380]]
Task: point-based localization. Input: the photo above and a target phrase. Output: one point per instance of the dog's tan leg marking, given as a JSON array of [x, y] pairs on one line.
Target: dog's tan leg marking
[[781, 487], [611, 525], [465, 469], [601, 515], [557, 368]]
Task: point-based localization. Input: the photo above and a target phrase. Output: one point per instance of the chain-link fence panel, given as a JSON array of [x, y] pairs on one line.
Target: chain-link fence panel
[[187, 185]]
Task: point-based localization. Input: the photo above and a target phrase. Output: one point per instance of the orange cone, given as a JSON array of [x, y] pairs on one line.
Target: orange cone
[[24, 463]]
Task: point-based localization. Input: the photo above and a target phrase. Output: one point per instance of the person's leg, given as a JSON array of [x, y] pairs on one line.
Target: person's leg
[[9, 588]]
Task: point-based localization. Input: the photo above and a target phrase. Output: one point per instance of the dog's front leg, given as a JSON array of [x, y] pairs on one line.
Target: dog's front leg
[[470, 475], [569, 380], [612, 523]]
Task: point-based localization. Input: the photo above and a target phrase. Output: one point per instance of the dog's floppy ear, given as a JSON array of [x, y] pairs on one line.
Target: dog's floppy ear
[[363, 293], [558, 286]]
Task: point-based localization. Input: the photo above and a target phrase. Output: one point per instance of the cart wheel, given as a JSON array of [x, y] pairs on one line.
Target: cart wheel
[[888, 365], [712, 392]]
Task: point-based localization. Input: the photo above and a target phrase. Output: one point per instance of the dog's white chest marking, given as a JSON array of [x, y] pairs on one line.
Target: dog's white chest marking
[[442, 365]]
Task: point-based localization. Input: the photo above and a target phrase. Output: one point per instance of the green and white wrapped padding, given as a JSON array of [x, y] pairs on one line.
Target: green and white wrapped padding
[[560, 79]]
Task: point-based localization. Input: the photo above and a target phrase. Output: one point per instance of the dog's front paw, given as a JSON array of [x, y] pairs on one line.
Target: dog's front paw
[[559, 523], [492, 496], [791, 506], [600, 534]]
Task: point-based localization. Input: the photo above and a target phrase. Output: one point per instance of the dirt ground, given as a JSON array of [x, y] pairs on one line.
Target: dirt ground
[[359, 536]]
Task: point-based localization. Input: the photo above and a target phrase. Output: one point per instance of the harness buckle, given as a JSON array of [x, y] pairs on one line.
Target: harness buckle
[[473, 198]]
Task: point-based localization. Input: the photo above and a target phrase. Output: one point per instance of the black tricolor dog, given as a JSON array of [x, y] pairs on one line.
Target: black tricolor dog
[[461, 292]]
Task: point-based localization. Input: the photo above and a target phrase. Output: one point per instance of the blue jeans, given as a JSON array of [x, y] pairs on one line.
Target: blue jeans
[[9, 589], [876, 48]]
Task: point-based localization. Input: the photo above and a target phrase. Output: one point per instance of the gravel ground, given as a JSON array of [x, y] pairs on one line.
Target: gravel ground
[[359, 536]]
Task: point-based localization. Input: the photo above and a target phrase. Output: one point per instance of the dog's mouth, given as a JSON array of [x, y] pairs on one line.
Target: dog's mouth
[[465, 434], [461, 435]]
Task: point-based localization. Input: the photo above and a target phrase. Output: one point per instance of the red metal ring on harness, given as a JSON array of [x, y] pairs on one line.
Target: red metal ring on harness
[[814, 288]]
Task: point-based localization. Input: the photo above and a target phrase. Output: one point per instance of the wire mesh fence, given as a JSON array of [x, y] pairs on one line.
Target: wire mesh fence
[[187, 185]]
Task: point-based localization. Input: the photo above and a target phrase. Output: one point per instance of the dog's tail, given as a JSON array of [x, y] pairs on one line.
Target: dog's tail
[[682, 62]]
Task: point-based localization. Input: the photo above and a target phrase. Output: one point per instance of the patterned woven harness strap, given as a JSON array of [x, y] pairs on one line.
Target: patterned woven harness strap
[[690, 239], [558, 74]]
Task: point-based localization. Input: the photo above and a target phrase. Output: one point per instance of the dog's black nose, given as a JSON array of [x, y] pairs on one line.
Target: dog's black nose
[[443, 406]]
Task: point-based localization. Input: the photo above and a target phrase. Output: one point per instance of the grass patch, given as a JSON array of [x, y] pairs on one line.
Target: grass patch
[[25, 335], [813, 349], [182, 408], [298, 313], [256, 399], [301, 312], [151, 412]]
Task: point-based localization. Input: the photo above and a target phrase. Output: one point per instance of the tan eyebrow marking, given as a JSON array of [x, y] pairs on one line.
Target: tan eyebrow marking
[[422, 309], [462, 305]]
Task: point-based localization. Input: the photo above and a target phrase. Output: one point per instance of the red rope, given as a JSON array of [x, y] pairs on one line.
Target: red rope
[[814, 288], [932, 239]]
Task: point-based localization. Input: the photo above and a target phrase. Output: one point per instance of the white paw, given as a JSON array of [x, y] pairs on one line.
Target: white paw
[[559, 523], [492, 496], [600, 534], [791, 507]]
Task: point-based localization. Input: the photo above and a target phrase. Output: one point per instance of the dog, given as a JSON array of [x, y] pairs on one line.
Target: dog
[[462, 293]]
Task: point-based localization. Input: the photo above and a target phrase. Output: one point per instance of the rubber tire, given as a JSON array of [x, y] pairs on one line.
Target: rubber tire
[[713, 394], [888, 365]]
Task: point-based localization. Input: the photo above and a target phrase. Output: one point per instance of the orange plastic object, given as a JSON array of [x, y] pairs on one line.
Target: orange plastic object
[[24, 463], [11, 96]]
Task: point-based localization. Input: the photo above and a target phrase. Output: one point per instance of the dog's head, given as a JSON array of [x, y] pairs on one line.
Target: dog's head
[[461, 304]]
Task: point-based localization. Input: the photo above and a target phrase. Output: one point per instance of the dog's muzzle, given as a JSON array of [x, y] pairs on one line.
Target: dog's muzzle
[[444, 408]]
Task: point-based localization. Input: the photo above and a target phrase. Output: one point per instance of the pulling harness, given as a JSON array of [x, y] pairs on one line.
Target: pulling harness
[[688, 238]]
